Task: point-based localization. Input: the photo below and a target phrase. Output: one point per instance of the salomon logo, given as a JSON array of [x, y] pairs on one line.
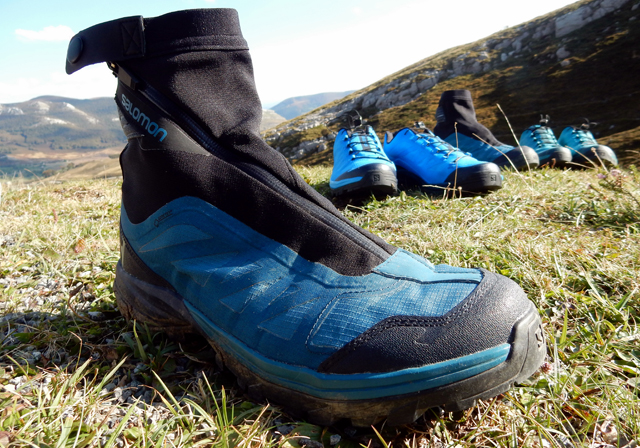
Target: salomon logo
[[150, 126], [162, 217]]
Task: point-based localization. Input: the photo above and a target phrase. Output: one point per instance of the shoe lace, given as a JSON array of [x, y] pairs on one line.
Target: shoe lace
[[584, 135], [363, 144], [543, 136], [436, 143], [542, 133]]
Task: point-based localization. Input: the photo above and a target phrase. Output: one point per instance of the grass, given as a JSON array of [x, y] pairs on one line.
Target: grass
[[73, 373]]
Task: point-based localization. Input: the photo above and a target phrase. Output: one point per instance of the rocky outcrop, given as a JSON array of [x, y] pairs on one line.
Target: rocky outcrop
[[584, 15], [499, 50]]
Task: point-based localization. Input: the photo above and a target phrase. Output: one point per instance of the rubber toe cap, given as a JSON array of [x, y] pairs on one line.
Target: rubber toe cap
[[485, 319], [557, 157], [480, 178], [522, 158]]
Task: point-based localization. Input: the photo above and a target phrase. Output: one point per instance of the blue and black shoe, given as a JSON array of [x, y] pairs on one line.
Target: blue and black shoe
[[220, 237], [586, 150], [457, 125], [428, 162], [360, 166], [540, 137]]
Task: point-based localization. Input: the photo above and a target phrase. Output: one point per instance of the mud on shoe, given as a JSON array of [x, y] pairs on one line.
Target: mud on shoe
[[457, 125], [220, 236], [425, 161], [586, 150], [540, 137], [360, 166]]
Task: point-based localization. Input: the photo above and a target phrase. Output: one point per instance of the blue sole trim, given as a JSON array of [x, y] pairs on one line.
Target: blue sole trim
[[356, 386], [342, 183]]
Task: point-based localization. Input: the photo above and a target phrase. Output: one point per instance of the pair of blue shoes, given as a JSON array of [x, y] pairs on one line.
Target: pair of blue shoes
[[413, 158], [576, 146]]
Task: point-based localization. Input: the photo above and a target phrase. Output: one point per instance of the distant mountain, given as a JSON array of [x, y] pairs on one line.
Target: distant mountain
[[270, 119], [50, 132], [57, 123], [298, 105]]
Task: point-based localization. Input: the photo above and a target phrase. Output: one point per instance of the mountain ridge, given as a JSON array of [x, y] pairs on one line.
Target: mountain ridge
[[297, 105], [562, 63]]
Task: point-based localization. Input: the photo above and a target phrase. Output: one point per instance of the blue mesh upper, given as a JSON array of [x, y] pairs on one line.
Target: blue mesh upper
[[542, 140], [427, 155], [353, 150], [477, 148], [274, 301]]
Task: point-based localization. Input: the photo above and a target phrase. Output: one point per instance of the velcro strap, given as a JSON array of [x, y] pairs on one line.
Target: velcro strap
[[117, 40]]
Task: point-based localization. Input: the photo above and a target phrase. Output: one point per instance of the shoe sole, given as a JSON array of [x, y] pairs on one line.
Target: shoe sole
[[481, 181], [164, 310], [522, 158], [558, 158], [589, 160], [380, 183]]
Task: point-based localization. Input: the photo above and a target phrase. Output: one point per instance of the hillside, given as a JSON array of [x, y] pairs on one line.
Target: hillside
[[270, 119], [298, 105], [59, 124], [579, 61], [48, 133]]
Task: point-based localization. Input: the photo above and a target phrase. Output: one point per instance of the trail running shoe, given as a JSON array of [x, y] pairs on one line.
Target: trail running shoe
[[457, 125], [424, 160], [540, 137], [360, 165], [586, 150]]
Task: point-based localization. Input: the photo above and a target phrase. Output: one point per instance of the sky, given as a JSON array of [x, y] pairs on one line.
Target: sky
[[298, 47]]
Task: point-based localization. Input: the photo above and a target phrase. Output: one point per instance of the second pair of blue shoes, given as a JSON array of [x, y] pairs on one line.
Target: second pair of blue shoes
[[413, 158], [576, 146]]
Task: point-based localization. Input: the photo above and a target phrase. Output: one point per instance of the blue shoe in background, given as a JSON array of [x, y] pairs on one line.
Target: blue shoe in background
[[457, 125], [585, 148], [360, 166], [540, 137], [423, 159]]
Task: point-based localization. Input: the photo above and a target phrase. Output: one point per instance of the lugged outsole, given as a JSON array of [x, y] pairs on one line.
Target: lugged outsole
[[477, 184], [164, 310]]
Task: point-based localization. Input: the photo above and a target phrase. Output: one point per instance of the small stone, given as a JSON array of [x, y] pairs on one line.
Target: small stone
[[5, 438], [609, 433], [97, 316], [285, 429], [562, 53], [334, 439], [117, 393], [310, 443]]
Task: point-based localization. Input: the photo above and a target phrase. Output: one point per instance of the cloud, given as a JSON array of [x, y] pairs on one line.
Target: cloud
[[90, 82], [48, 33]]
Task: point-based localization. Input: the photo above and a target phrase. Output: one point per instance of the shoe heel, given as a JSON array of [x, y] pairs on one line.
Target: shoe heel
[[160, 308]]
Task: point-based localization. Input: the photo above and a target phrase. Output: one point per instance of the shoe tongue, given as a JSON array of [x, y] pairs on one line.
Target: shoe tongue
[[363, 130]]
